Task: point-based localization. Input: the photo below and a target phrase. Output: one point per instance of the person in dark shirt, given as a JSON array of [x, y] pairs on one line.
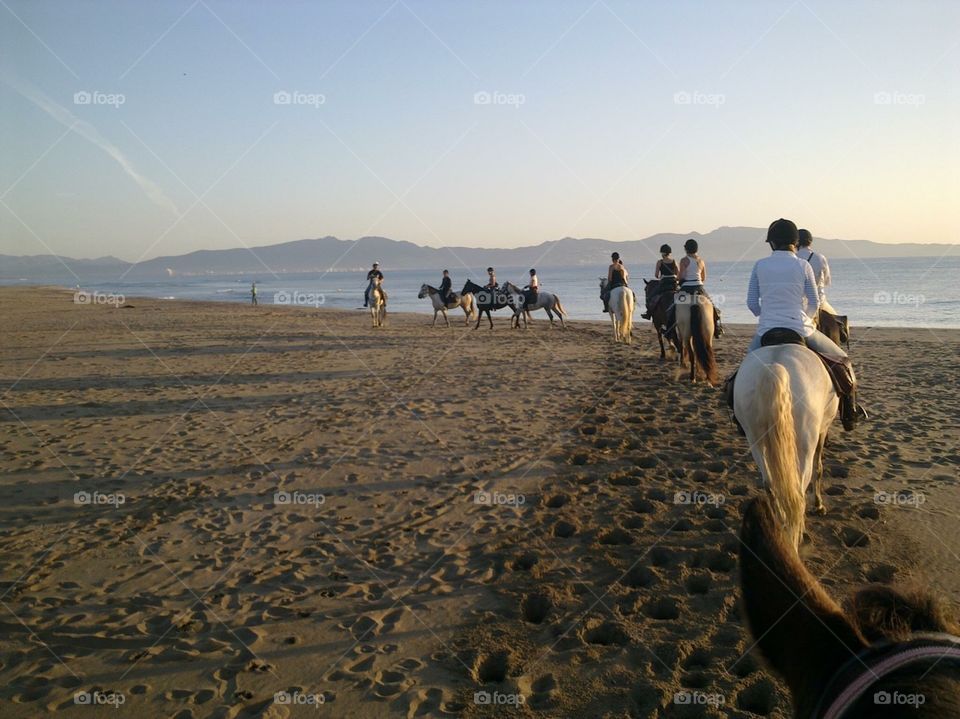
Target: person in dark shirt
[[445, 286], [375, 273]]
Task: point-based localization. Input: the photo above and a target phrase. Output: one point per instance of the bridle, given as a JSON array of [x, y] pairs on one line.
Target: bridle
[[860, 673]]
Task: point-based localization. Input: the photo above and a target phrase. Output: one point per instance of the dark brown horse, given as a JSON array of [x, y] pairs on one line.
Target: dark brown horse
[[835, 327], [889, 655], [661, 315]]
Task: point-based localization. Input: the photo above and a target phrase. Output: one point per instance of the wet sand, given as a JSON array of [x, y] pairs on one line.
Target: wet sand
[[410, 521]]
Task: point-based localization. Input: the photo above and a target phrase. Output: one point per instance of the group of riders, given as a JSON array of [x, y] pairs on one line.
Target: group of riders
[[530, 291], [787, 292]]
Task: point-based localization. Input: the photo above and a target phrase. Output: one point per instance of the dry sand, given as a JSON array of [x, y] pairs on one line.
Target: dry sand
[[399, 595]]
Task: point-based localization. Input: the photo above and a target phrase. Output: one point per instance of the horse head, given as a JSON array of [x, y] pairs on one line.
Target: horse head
[[424, 291]]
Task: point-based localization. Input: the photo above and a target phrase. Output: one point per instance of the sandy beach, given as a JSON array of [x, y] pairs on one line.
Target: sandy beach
[[218, 510]]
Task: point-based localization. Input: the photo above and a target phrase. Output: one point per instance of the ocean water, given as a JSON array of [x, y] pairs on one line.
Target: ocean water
[[895, 292]]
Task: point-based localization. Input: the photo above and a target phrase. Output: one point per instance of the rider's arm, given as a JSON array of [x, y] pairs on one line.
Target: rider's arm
[[703, 272], [683, 267], [753, 293], [609, 275], [825, 273], [810, 290], [656, 272]]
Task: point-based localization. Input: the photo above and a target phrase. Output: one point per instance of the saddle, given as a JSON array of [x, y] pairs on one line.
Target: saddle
[[781, 336], [839, 368]]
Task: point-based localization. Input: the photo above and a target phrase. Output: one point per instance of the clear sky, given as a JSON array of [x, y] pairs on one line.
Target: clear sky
[[141, 129]]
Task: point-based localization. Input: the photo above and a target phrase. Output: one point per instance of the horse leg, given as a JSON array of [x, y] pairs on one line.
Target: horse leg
[[663, 352], [818, 476], [434, 318], [693, 362], [479, 317], [490, 319]]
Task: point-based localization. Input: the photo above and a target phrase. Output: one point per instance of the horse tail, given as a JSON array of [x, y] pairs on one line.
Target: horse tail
[[699, 326], [559, 308], [778, 447], [627, 300]]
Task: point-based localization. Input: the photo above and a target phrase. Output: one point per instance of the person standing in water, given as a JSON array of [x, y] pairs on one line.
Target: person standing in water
[[253, 293]]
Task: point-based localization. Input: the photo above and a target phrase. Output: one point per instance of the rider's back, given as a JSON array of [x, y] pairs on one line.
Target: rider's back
[[780, 280]]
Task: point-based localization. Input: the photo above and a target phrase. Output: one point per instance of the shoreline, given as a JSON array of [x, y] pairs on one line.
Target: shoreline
[[456, 315]]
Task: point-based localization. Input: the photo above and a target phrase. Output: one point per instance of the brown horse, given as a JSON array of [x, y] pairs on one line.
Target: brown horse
[[835, 327], [889, 655], [660, 316]]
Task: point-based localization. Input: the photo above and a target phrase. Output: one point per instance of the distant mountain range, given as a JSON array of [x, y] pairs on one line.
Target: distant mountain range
[[331, 254]]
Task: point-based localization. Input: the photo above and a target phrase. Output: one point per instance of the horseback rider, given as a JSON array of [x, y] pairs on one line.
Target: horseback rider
[[667, 272], [372, 276], [692, 274], [617, 276], [783, 294], [445, 284], [532, 290]]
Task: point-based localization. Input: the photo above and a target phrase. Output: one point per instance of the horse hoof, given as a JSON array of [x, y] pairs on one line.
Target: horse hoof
[[821, 510]]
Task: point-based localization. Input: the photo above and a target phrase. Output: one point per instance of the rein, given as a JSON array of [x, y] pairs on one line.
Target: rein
[[879, 661]]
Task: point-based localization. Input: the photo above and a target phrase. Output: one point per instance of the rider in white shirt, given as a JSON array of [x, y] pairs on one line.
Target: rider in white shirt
[[783, 294], [821, 268]]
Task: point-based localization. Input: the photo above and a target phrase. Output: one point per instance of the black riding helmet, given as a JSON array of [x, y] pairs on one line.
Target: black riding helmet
[[665, 249], [691, 246]]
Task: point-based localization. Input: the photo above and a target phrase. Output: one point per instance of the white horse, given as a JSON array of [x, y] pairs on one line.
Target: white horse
[[378, 304], [465, 301], [620, 306], [545, 301], [695, 330], [785, 401]]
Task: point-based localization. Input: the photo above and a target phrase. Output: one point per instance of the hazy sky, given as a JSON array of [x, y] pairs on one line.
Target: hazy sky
[[140, 129]]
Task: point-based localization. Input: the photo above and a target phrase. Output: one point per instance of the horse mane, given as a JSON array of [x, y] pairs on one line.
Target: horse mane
[[806, 637], [882, 612]]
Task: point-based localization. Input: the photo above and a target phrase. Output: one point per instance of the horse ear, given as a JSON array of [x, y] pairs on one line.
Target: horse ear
[[799, 629]]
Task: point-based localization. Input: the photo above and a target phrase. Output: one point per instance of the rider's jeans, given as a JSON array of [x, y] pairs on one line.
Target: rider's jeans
[[818, 342]]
